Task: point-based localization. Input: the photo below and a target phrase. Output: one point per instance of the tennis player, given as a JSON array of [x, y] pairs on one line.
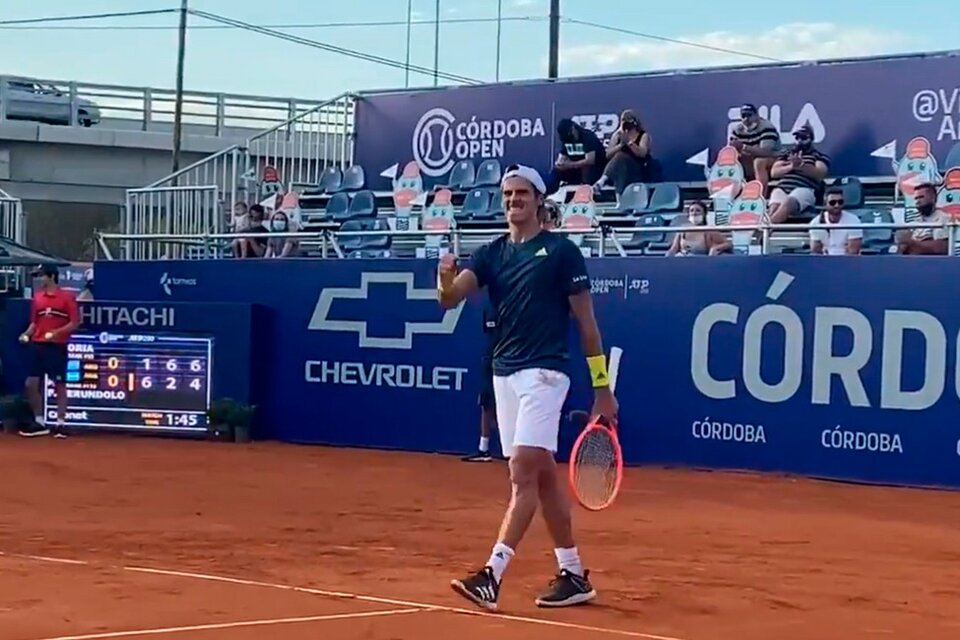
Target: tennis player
[[536, 280], [54, 316]]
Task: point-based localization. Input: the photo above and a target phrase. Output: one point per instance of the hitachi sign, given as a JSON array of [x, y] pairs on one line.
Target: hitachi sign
[[105, 315]]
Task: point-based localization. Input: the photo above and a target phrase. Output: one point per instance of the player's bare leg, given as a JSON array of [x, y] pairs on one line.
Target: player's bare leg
[[572, 585], [483, 588]]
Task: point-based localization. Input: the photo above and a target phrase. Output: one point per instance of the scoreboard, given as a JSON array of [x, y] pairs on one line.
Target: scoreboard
[[136, 382]]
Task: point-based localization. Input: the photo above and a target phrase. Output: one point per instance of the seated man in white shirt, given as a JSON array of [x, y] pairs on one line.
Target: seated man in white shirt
[[835, 242]]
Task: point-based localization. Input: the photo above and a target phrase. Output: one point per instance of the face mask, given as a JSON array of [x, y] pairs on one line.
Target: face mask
[[696, 218], [279, 225]]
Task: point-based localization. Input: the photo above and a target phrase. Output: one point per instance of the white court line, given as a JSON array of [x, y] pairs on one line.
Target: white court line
[[235, 625], [386, 601], [407, 603]]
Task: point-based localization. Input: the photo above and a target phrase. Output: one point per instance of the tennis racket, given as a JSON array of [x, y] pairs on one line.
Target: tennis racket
[[596, 461]]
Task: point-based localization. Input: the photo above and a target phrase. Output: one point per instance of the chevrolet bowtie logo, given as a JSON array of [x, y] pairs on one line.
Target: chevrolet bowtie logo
[[320, 321]]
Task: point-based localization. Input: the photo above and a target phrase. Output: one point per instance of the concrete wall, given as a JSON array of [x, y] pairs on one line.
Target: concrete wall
[[76, 165]]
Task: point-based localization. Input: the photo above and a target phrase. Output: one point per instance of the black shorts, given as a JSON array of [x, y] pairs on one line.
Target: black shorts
[[486, 399], [48, 359]]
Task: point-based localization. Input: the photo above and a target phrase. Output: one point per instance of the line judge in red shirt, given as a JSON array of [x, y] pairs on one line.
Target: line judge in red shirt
[[54, 316]]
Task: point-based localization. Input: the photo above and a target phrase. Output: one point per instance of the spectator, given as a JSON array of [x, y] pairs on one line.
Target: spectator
[[239, 223], [582, 156], [925, 242], [801, 172], [254, 247], [835, 242], [702, 243], [628, 156], [86, 294], [280, 247], [758, 141], [551, 215]]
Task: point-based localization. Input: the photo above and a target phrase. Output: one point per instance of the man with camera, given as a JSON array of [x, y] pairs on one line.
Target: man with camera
[[628, 156]]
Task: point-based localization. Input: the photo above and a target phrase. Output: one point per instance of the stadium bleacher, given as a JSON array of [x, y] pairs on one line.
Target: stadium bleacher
[[341, 198]]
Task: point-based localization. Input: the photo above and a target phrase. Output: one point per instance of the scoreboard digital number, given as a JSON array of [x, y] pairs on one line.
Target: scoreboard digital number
[[136, 382]]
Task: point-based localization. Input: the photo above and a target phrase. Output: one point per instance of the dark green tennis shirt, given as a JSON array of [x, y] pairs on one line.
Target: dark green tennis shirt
[[529, 285]]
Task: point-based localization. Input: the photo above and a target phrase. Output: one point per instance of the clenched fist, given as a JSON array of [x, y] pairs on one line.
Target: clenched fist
[[447, 270]]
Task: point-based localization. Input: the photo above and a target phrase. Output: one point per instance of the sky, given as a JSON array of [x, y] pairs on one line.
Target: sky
[[113, 51]]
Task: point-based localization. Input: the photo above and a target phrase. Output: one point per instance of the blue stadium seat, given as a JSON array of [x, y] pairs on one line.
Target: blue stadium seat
[[644, 239], [354, 179], [853, 197], [331, 180], [362, 243], [665, 197], [494, 209], [876, 241], [338, 207], [363, 205], [488, 174], [476, 205], [462, 176], [634, 199], [953, 158]]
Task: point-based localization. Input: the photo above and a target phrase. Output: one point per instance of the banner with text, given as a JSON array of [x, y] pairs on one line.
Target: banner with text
[[863, 113], [834, 368]]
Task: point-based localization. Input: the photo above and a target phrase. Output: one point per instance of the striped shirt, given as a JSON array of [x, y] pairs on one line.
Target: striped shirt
[[764, 131], [797, 180]]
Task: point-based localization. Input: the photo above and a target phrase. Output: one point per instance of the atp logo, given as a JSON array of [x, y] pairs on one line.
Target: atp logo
[[421, 314]]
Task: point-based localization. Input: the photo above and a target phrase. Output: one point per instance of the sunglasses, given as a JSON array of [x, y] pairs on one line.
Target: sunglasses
[[835, 203]]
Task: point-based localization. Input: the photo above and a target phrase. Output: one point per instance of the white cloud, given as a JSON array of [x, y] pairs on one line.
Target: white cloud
[[795, 41], [526, 4]]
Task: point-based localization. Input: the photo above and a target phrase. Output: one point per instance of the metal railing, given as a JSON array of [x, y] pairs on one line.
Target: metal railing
[[131, 108], [299, 150], [12, 220], [212, 245]]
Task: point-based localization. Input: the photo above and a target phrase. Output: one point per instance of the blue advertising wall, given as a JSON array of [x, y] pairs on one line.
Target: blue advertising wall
[[855, 108], [232, 327], [842, 367]]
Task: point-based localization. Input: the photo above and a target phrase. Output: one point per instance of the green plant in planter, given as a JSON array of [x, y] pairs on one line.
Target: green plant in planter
[[230, 420], [16, 413]]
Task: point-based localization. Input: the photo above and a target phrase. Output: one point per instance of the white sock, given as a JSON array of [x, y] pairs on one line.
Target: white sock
[[484, 444], [569, 559], [499, 559]]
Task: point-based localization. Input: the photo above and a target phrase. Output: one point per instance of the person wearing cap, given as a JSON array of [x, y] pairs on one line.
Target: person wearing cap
[[536, 280], [801, 173], [582, 157], [54, 316], [758, 141], [628, 156]]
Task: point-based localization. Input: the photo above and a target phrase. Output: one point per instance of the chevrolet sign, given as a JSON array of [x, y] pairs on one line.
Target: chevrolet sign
[[320, 321]]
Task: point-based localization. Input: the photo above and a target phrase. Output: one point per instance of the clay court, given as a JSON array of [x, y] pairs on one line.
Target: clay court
[[111, 537]]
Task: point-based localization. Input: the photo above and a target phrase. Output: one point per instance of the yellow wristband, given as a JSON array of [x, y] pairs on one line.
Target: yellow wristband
[[598, 371]]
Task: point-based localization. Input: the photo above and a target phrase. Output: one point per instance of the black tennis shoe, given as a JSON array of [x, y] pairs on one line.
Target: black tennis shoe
[[481, 588], [568, 589], [479, 456]]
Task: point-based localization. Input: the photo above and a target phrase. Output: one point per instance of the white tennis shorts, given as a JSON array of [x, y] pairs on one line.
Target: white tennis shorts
[[529, 403]]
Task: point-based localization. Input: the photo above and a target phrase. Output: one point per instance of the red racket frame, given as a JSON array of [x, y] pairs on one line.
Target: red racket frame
[[594, 424]]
